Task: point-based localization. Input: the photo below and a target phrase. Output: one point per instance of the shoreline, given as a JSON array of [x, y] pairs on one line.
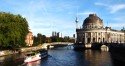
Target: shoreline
[[20, 50]]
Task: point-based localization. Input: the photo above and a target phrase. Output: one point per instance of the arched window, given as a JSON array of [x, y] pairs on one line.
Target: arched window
[[83, 40], [99, 33], [99, 39], [88, 40], [93, 40], [92, 26], [103, 39]]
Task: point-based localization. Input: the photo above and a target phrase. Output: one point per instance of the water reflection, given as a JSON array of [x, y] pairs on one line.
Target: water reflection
[[11, 60], [98, 58], [1, 59], [65, 57], [36, 63]]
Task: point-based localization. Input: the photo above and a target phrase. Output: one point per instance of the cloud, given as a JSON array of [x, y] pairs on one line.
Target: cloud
[[117, 25], [45, 16], [100, 4], [119, 18], [46, 26], [112, 7], [86, 13], [116, 8]]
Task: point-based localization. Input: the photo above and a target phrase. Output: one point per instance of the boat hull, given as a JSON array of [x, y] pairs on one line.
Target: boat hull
[[32, 58], [42, 54]]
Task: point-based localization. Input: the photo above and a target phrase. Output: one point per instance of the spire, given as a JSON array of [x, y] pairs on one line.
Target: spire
[[76, 23], [76, 20]]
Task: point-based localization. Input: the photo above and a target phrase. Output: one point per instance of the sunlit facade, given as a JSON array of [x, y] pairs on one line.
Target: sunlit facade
[[29, 39], [93, 31]]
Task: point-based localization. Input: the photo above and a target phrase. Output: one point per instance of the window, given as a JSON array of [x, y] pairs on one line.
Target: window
[[99, 33]]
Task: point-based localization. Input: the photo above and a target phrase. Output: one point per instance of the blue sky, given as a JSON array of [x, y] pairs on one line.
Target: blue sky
[[45, 16]]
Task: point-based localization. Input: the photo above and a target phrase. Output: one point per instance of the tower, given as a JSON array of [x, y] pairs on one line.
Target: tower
[[76, 23], [76, 28]]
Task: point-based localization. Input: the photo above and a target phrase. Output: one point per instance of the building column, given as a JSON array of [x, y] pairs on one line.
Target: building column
[[85, 38], [91, 38], [101, 37], [96, 37], [117, 38]]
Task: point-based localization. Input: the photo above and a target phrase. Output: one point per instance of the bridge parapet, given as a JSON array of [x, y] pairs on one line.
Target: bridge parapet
[[46, 45]]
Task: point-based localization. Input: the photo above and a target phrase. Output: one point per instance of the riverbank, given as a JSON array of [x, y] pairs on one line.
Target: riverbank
[[21, 50], [28, 49]]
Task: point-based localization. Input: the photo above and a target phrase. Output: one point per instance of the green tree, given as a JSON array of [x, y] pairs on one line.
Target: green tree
[[13, 30], [39, 39]]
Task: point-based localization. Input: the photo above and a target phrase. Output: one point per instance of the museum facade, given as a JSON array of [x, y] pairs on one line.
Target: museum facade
[[93, 31]]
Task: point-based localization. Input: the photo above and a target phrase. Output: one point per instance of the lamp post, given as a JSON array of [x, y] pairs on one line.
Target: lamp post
[[124, 33], [106, 35]]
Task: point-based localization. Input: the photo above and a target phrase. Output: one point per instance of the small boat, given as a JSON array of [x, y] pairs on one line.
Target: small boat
[[34, 56], [31, 57]]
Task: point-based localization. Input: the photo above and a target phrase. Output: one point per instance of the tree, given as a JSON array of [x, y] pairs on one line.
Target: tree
[[13, 30], [39, 39], [66, 39], [48, 40], [35, 42]]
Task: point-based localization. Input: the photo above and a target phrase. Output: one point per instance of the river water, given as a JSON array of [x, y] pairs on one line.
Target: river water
[[64, 56]]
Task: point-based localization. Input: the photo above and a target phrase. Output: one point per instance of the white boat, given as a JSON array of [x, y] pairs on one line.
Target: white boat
[[32, 57]]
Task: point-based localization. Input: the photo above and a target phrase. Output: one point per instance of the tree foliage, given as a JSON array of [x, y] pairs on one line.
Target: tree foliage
[[13, 29], [39, 39]]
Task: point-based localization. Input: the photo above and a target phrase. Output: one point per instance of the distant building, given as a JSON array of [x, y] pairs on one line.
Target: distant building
[[58, 34], [93, 31], [55, 34], [29, 39]]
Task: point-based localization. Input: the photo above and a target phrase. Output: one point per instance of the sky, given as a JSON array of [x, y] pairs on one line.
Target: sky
[[45, 16]]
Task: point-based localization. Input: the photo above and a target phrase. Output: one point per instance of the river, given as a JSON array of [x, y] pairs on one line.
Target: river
[[64, 56]]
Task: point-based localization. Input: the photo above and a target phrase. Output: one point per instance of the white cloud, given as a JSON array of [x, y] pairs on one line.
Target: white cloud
[[86, 13], [112, 7], [117, 25], [116, 8], [46, 26], [119, 18], [100, 4], [41, 18]]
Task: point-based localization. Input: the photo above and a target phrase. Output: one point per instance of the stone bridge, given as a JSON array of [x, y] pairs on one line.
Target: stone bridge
[[56, 44]]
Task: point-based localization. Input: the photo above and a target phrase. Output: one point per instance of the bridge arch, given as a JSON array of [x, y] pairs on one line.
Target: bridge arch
[[99, 45], [104, 48]]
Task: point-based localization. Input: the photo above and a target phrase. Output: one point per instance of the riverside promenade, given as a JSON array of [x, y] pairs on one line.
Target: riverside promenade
[[29, 49], [24, 49]]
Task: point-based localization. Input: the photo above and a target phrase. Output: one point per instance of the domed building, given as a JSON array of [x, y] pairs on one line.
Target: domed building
[[93, 31], [92, 22]]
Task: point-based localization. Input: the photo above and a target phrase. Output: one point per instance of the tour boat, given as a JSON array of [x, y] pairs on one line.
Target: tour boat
[[31, 57]]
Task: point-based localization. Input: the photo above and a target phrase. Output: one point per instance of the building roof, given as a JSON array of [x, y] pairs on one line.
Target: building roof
[[92, 19]]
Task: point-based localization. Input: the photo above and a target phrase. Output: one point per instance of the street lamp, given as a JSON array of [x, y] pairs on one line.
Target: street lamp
[[106, 35], [124, 33]]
